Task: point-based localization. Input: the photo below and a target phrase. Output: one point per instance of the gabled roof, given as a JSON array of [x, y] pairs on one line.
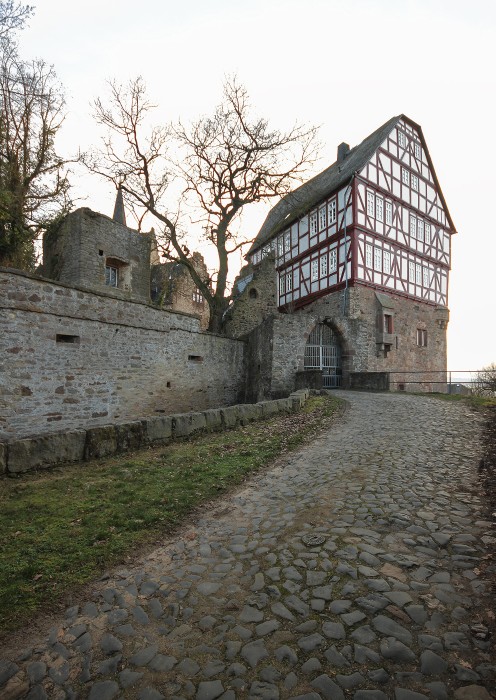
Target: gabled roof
[[301, 200]]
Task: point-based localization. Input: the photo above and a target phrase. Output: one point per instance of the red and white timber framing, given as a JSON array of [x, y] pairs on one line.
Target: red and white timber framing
[[388, 229]]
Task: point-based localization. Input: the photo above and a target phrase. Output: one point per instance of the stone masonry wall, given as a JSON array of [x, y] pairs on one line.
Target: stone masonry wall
[[357, 321], [72, 358]]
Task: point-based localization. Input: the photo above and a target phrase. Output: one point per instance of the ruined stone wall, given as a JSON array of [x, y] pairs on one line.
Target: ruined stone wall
[[72, 358], [257, 301], [77, 250], [174, 288]]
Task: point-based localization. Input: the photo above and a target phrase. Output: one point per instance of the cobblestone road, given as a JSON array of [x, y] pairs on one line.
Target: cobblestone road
[[350, 570]]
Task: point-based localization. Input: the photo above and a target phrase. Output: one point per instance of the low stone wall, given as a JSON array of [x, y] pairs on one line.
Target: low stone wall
[[369, 381], [17, 456]]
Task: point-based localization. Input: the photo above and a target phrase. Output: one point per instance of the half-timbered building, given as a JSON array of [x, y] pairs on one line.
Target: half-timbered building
[[362, 256]]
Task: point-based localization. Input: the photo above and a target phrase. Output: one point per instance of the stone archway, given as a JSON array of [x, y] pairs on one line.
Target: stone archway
[[323, 351]]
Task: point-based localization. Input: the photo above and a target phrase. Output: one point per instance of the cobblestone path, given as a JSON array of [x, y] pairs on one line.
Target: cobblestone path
[[350, 570]]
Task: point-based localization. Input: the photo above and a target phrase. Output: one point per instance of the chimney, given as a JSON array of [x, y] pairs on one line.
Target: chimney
[[343, 150]]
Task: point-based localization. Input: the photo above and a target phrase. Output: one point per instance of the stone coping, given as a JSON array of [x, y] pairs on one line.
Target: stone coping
[[38, 452]]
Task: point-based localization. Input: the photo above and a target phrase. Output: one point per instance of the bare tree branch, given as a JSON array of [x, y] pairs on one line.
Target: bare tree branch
[[226, 161]]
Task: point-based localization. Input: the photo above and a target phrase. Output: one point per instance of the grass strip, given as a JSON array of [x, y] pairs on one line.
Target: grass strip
[[61, 528]]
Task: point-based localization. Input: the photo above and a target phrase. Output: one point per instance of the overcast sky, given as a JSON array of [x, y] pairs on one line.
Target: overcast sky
[[348, 65]]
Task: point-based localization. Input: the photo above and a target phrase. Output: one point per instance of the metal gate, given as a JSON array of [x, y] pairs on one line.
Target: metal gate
[[323, 352]]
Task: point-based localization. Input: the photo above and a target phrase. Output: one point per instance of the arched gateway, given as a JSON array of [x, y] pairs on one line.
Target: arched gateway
[[323, 351]]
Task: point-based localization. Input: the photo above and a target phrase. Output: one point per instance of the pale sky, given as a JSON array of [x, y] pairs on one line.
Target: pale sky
[[347, 65]]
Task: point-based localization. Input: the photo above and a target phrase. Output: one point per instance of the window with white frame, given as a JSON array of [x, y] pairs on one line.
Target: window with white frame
[[413, 226], [389, 212], [333, 260], [405, 176], [411, 271], [401, 139], [368, 255], [313, 223], [331, 211], [415, 183], [280, 246], [197, 296], [378, 259], [370, 203], [287, 242], [282, 285], [387, 262], [265, 251], [418, 273], [289, 281], [273, 244], [418, 150], [428, 233], [315, 270], [322, 218], [323, 265], [420, 230], [379, 208], [111, 276], [425, 275]]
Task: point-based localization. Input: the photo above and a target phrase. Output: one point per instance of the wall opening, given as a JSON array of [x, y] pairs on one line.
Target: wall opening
[[65, 338], [323, 351]]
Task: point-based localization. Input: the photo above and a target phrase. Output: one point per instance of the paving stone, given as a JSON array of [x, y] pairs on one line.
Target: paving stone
[[110, 644], [251, 614], [327, 688], [437, 690], [465, 674], [351, 681], [187, 668], [384, 625], [129, 678], [352, 618], [340, 606], [311, 666], [103, 690], [36, 671], [395, 650], [162, 663], [144, 656], [109, 666], [254, 652], [287, 655], [333, 630], [471, 692], [267, 627], [431, 664], [363, 635], [267, 691], [150, 694], [370, 695], [311, 642], [209, 690], [405, 694], [335, 658], [379, 675]]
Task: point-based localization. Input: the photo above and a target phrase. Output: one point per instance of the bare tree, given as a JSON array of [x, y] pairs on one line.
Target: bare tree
[[226, 161], [484, 383], [33, 178], [13, 15]]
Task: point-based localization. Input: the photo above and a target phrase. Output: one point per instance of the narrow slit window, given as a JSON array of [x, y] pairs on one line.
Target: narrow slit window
[[195, 358], [65, 338]]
